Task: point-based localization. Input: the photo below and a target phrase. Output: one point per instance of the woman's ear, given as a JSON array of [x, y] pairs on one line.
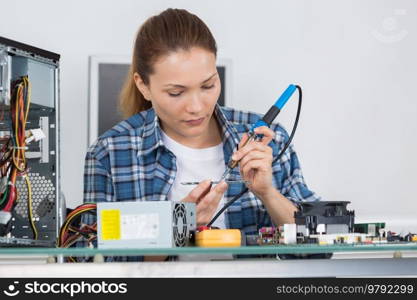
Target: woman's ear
[[142, 87]]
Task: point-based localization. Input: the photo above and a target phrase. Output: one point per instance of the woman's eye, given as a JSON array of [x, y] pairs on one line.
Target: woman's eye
[[175, 94], [208, 87]]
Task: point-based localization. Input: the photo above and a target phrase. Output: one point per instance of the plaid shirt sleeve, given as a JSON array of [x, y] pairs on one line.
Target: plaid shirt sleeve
[[98, 185], [287, 171]]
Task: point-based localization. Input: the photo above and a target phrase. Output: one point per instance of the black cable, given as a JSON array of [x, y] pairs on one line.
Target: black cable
[[300, 100]]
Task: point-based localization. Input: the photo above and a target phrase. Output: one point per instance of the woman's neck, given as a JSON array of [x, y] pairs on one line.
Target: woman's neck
[[214, 133]]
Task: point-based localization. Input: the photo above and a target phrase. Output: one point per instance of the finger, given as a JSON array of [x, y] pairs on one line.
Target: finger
[[214, 196], [238, 155], [249, 177], [268, 134], [221, 188], [254, 155], [245, 137], [196, 193], [205, 192], [259, 165]]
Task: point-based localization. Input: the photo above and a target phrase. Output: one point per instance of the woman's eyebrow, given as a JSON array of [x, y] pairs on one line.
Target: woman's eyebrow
[[181, 86], [210, 77]]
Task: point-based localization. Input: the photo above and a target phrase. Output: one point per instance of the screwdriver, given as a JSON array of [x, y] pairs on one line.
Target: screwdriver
[[267, 119], [216, 182]]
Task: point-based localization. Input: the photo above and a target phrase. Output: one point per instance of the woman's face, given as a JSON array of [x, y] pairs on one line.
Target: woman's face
[[184, 89]]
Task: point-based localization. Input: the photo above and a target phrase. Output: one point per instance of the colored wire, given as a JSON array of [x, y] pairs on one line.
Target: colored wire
[[13, 158], [71, 217], [30, 210], [69, 234]]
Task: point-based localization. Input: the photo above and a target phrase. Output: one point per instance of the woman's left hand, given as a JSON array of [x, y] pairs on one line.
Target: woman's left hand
[[256, 162]]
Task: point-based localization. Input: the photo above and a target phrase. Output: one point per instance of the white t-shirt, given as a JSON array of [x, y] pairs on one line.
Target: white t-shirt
[[195, 165]]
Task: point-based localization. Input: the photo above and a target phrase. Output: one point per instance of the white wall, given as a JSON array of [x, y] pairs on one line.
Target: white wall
[[355, 60]]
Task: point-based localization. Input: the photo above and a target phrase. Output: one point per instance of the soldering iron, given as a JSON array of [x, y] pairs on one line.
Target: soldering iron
[[266, 120]]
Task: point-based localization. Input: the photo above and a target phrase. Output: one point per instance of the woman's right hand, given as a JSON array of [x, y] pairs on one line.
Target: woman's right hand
[[206, 200]]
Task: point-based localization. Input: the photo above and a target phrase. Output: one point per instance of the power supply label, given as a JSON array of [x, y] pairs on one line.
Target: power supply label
[[110, 224], [140, 226]]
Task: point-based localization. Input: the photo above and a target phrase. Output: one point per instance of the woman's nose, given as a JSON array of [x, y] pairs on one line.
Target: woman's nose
[[194, 104]]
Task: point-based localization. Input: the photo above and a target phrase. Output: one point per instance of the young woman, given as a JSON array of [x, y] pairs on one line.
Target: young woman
[[176, 132]]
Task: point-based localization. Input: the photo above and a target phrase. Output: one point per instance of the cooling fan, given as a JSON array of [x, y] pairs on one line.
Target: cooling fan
[[179, 226]]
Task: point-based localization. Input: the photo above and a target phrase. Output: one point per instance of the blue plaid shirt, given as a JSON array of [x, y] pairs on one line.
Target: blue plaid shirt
[[130, 163]]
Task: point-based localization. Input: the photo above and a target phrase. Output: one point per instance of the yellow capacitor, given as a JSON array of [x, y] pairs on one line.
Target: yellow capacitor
[[218, 238]]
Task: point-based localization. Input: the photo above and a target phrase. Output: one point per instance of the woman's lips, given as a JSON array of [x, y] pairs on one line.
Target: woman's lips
[[195, 122]]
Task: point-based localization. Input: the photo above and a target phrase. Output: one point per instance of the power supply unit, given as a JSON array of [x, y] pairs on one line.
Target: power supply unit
[[152, 224]]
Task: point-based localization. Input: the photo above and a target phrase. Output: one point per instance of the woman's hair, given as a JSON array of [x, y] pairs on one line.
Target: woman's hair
[[170, 31]]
